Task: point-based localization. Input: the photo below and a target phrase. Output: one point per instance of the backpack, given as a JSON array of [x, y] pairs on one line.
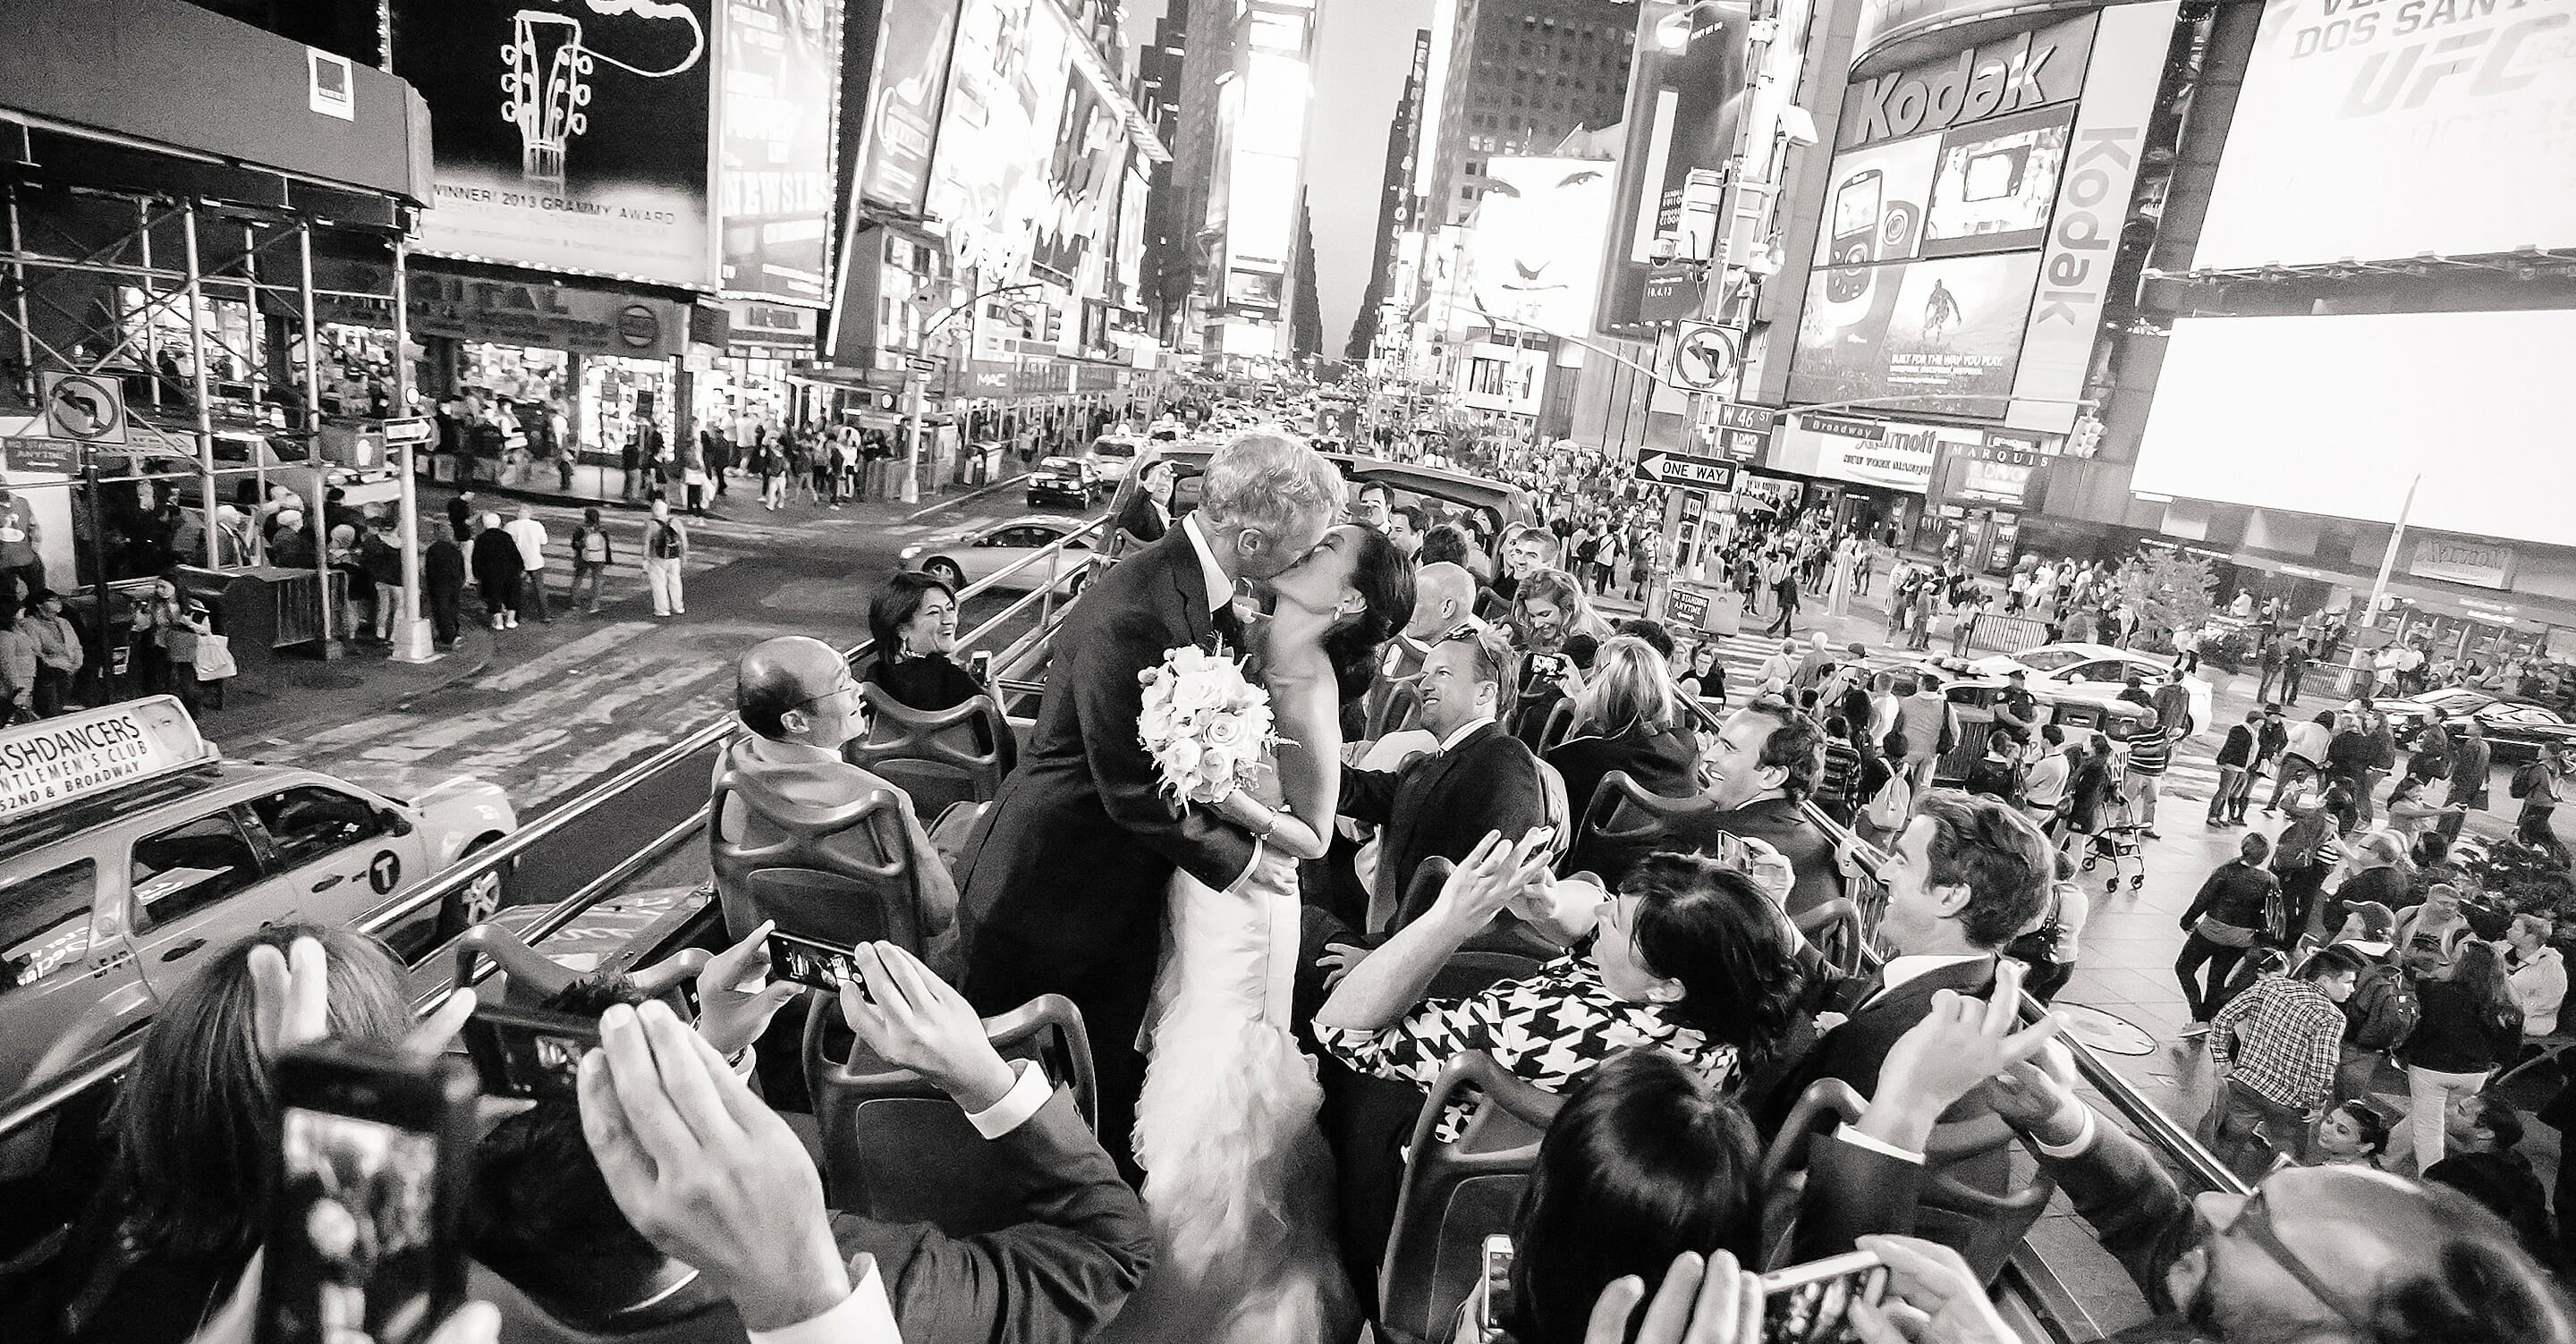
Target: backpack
[[2383, 1008], [666, 541], [1842, 767], [2525, 780], [1894, 803], [592, 545]]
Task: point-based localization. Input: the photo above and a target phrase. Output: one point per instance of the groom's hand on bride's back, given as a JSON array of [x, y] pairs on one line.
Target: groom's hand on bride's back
[[912, 1018]]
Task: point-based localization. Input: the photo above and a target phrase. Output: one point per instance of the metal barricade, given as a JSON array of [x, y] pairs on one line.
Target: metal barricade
[[1998, 634]]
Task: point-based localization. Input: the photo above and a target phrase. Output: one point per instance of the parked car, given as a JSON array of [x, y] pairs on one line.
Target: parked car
[[2408, 715], [2516, 730], [2095, 674], [980, 552], [1061, 480], [119, 873]]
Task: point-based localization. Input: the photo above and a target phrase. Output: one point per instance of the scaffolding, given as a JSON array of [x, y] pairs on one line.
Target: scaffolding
[[203, 293]]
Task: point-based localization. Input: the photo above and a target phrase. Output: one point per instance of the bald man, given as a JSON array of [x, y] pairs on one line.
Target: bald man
[[800, 705], [2315, 1253]]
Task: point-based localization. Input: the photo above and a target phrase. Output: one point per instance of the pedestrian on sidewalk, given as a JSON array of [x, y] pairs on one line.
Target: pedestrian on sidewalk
[[693, 474], [382, 561], [2230, 912], [666, 547], [2274, 1050], [2235, 767], [2539, 783], [591, 554], [1784, 589], [58, 651], [630, 461], [2303, 757], [498, 568], [2470, 761], [531, 538], [2150, 755], [442, 586], [19, 663]]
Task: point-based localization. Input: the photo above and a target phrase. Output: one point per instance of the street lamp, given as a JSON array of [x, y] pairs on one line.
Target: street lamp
[[914, 377]]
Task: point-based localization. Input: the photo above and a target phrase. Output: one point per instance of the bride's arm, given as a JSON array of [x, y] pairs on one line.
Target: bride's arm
[[1309, 763]]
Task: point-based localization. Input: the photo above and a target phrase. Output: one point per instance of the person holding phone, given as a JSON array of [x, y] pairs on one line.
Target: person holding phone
[[913, 620]]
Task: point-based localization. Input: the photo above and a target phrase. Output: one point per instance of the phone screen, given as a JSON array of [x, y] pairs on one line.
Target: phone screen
[[818, 965], [1811, 1304], [361, 1247], [529, 1056]]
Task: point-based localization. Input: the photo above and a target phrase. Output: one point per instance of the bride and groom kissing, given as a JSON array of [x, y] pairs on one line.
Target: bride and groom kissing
[[1172, 925]]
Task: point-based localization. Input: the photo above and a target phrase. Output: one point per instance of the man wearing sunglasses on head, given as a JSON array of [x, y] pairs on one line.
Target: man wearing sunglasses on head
[[2313, 1254]]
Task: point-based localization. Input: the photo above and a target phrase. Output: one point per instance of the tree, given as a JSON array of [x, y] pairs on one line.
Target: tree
[[2170, 590]]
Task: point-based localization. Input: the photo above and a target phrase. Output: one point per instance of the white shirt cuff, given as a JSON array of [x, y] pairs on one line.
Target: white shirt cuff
[[2082, 1141], [1859, 1140], [1016, 1106], [864, 1317]]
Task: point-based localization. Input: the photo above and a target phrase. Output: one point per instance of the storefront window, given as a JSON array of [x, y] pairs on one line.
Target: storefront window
[[619, 395]]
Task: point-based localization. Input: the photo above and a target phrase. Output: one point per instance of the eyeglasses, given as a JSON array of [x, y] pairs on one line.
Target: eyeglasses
[[2254, 1222], [845, 688]]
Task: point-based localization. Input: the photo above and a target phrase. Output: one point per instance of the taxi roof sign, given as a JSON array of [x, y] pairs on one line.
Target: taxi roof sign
[[55, 761]]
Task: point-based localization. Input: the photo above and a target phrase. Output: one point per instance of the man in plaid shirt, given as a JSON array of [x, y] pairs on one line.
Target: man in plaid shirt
[[2274, 1048]]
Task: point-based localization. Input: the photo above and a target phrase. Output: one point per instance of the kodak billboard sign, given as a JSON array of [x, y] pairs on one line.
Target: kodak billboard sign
[[2001, 77]]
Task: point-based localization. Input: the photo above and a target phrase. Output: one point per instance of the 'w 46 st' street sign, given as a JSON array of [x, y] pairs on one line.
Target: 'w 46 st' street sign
[[1698, 473]]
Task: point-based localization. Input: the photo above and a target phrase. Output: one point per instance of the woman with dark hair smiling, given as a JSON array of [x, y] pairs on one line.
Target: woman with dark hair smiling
[[913, 619]]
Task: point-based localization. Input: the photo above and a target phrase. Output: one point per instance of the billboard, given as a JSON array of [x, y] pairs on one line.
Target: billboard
[[2378, 133], [1537, 241], [1891, 454], [1980, 188], [782, 63], [572, 138], [1935, 335], [2335, 415], [911, 75], [2092, 207], [988, 182]]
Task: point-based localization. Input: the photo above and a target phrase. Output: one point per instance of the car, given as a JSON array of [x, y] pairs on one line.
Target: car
[[1497, 503], [2409, 715], [1061, 480], [981, 552], [2095, 674], [131, 851], [2516, 730], [1111, 456]]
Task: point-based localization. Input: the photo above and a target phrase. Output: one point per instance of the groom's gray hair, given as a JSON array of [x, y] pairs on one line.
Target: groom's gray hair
[[1272, 481]]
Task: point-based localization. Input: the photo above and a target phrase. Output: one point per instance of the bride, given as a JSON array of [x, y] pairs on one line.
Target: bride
[[1238, 1182]]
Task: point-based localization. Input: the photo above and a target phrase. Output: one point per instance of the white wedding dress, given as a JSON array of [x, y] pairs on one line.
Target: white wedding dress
[[1238, 1180]]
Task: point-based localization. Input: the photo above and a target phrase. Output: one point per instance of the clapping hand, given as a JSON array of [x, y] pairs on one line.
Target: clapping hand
[[730, 1016], [1712, 1301], [706, 1172], [1493, 875], [918, 1022], [1960, 1045], [2035, 1091]]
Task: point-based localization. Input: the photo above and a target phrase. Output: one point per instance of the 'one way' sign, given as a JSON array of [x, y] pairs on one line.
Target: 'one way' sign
[[1699, 473]]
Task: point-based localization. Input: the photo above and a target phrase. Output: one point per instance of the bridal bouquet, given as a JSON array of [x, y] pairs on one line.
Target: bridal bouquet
[[1204, 723]]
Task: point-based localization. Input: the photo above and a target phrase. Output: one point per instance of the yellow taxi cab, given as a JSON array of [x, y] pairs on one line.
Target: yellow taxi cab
[[129, 849]]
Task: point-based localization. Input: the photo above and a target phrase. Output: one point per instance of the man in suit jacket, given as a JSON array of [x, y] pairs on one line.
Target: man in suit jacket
[[1147, 514], [1065, 886], [1482, 778], [731, 1191], [1968, 875], [1764, 763]]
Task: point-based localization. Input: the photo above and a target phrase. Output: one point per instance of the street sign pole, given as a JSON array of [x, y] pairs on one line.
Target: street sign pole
[[412, 643]]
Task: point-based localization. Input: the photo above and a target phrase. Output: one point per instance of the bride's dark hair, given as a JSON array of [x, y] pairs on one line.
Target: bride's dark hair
[[1384, 579]]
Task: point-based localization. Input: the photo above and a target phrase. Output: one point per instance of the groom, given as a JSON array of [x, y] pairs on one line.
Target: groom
[[1066, 889]]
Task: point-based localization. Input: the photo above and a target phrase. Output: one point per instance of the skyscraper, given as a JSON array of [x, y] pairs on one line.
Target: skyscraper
[[1395, 212], [1517, 77]]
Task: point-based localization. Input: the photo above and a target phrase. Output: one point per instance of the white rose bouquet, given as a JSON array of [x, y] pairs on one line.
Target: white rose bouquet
[[1205, 724]]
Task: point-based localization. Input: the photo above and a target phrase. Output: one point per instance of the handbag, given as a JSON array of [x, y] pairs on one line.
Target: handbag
[[215, 658]]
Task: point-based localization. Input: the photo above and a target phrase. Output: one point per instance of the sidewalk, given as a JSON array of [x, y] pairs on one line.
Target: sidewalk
[[605, 485]]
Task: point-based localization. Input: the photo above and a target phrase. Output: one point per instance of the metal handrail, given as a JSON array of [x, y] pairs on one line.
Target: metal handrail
[[28, 1105]]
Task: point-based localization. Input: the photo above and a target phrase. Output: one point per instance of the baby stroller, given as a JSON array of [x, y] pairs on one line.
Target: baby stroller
[[2115, 839]]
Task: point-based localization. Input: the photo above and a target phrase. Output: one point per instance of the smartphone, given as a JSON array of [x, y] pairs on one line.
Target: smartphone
[[1855, 235], [375, 1153], [1498, 1282], [818, 965], [981, 665], [1811, 1303], [529, 1055]]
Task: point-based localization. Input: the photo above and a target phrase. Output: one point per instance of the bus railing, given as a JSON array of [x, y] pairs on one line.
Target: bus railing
[[31, 1104]]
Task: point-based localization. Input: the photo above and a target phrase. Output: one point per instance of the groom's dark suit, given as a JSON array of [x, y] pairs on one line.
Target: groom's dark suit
[[1065, 890]]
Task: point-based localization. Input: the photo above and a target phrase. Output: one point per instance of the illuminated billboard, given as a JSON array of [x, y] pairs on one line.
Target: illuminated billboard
[[988, 178], [2379, 133], [1537, 240], [1980, 188], [575, 139], [2337, 415], [1931, 335], [913, 43], [781, 61]]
